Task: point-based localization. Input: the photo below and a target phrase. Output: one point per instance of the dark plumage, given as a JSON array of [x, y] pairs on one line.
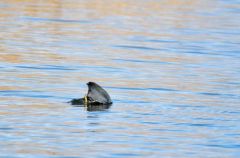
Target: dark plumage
[[96, 96]]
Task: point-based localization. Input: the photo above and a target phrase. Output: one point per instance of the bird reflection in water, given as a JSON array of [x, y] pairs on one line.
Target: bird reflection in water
[[95, 107], [98, 108]]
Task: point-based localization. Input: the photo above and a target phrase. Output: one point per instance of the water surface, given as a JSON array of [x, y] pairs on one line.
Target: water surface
[[171, 67]]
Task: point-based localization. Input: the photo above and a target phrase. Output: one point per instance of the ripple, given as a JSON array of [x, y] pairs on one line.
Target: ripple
[[219, 94], [230, 146], [136, 47], [150, 123], [55, 20], [196, 124], [46, 67], [131, 101], [29, 94], [143, 89], [6, 128], [125, 155], [66, 157], [163, 41], [142, 61]]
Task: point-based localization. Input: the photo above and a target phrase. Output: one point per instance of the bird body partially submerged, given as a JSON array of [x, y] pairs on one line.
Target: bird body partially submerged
[[96, 96]]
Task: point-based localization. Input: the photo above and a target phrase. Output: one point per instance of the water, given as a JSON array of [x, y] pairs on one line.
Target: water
[[171, 67]]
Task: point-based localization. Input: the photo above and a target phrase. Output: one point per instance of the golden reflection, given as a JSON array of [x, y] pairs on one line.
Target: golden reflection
[[9, 88], [27, 40], [11, 58], [98, 8]]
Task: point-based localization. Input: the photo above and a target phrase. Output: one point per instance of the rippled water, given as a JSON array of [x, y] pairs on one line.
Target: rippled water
[[171, 67]]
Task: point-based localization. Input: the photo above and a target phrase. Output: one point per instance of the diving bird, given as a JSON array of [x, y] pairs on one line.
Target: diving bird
[[96, 96]]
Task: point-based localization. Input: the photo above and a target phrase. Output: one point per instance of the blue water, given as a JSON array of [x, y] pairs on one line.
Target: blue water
[[172, 69]]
